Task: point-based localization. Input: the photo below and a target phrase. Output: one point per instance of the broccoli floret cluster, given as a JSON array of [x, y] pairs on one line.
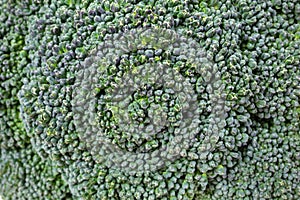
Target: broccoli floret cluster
[[248, 85], [13, 58], [24, 175]]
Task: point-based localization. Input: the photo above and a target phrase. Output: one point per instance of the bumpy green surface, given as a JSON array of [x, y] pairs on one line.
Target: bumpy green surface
[[253, 44]]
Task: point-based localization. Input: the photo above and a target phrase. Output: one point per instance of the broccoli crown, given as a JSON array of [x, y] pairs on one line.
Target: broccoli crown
[[233, 121]]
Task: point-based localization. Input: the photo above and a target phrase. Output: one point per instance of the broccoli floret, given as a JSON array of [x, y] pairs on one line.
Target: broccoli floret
[[24, 175], [175, 99]]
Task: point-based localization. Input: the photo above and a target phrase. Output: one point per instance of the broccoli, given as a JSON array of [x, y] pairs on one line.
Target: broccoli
[[228, 99], [24, 175]]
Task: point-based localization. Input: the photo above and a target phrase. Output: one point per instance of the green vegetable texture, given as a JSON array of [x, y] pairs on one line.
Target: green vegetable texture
[[206, 91]]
